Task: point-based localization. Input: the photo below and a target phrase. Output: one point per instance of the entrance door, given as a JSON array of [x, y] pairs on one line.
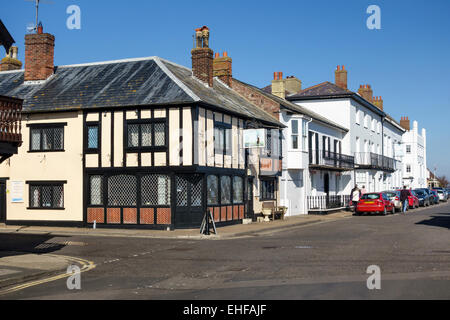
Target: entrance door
[[2, 201], [326, 187], [189, 200], [249, 199]]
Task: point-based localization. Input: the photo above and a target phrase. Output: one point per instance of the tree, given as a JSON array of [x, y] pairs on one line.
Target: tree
[[443, 181]]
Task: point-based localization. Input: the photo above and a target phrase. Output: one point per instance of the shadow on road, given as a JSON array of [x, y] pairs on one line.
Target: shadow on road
[[437, 221], [15, 244]]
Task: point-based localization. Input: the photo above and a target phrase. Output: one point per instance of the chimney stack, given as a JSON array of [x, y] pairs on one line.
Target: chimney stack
[[366, 92], [293, 84], [378, 102], [202, 57], [405, 123], [39, 55], [222, 68], [279, 85], [10, 62], [341, 77]]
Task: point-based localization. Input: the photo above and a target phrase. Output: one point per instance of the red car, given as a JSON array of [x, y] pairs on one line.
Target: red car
[[376, 202], [413, 200]]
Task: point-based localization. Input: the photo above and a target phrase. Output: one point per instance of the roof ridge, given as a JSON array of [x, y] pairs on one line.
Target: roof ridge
[[108, 62]]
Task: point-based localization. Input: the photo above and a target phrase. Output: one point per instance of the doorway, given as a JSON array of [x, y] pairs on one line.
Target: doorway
[[189, 200], [2, 201]]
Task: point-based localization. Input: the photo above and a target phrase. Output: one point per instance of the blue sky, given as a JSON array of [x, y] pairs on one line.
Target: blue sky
[[407, 62]]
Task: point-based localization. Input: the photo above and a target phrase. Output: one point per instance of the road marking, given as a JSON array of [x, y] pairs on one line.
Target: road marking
[[86, 265]]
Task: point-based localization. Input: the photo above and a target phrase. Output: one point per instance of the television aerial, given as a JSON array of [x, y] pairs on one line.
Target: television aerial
[[33, 27]]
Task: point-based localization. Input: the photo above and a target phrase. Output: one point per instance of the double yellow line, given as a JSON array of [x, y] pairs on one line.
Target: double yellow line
[[84, 265]]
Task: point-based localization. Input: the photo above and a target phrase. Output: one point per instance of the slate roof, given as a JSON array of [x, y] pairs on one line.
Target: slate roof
[[124, 83], [322, 89], [295, 107]]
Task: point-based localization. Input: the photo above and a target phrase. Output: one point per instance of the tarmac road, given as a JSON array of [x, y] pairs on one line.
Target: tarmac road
[[318, 261]]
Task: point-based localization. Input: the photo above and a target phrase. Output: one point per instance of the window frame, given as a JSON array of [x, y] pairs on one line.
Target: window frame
[[41, 127], [140, 148], [88, 150], [227, 129], [295, 134], [42, 184], [263, 194]]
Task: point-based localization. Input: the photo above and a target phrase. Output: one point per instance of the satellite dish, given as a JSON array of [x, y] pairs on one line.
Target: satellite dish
[[31, 27]]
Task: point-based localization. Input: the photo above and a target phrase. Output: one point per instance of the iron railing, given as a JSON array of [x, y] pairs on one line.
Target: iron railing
[[318, 203], [324, 158], [374, 161]]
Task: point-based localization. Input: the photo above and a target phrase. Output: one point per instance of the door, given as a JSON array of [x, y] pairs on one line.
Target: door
[[249, 199], [326, 188], [2, 201], [189, 200]]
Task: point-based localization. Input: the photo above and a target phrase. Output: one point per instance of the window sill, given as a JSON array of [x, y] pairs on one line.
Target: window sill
[[58, 209], [45, 151]]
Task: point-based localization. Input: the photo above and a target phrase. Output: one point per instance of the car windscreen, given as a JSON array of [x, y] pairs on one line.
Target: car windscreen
[[420, 192], [391, 194], [371, 196]]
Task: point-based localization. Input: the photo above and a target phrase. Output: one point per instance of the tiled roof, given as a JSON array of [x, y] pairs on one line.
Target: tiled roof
[[134, 82]]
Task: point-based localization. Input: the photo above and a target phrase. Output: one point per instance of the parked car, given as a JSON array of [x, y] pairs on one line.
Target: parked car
[[376, 202], [424, 197], [413, 201], [394, 196], [435, 197], [442, 193]]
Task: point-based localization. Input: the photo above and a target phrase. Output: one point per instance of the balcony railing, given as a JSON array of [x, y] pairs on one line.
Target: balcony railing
[[326, 203], [328, 159], [374, 161], [10, 126]]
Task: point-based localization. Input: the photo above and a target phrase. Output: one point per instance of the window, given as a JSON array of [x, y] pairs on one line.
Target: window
[[267, 189], [378, 127], [96, 190], [408, 168], [358, 117], [238, 190], [146, 135], [92, 136], [268, 142], [225, 190], [155, 190], [46, 195], [305, 133], [122, 190], [48, 138], [366, 121], [408, 149], [212, 190], [374, 122], [222, 138], [294, 134]]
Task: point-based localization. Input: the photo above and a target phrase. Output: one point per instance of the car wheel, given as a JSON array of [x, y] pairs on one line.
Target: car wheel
[[393, 209], [385, 212]]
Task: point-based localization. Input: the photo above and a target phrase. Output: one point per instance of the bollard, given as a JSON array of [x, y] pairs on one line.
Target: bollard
[[95, 224]]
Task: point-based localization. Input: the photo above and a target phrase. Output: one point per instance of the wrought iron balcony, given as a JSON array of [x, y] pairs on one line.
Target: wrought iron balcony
[[369, 160], [322, 159], [10, 126]]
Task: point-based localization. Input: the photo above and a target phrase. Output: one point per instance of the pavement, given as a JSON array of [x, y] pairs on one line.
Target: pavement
[[28, 263]]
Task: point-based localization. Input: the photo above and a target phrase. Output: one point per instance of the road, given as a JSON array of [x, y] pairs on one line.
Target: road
[[321, 261]]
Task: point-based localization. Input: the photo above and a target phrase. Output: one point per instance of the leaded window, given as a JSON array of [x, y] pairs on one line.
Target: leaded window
[[155, 190], [46, 195], [212, 186], [225, 190], [222, 138], [96, 190], [93, 136], [47, 138], [122, 190], [149, 134], [238, 190]]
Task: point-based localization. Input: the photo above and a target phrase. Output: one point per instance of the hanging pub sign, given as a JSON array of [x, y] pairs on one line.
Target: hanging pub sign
[[254, 138]]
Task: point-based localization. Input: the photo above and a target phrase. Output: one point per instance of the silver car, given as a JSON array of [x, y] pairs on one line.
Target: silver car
[[394, 196], [443, 196]]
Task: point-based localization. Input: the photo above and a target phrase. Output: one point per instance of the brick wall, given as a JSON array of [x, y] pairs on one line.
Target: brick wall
[[202, 64], [258, 99], [39, 54]]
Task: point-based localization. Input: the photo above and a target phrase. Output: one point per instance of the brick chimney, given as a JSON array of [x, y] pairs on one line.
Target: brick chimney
[[341, 77], [366, 92], [39, 55], [222, 68], [10, 62], [378, 102], [278, 85], [405, 123], [293, 85], [202, 57]]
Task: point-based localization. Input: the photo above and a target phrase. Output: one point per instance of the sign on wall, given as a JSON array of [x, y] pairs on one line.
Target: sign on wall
[[254, 138], [17, 189]]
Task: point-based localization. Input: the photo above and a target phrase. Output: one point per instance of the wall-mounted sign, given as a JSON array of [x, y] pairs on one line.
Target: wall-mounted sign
[[254, 138], [17, 190]]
